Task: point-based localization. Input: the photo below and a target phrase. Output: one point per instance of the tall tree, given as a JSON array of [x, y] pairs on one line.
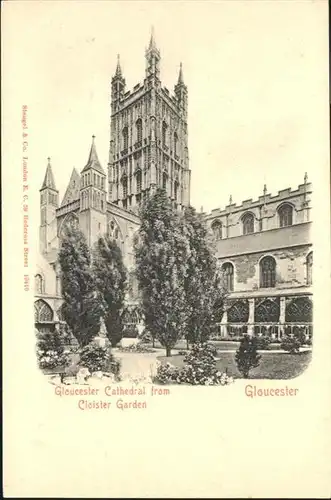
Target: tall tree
[[204, 290], [82, 307], [110, 279], [161, 252]]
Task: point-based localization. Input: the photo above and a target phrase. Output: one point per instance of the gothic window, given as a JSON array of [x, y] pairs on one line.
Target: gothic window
[[138, 180], [176, 190], [39, 283], [175, 143], [125, 187], [248, 223], [285, 213], [114, 232], [309, 266], [139, 130], [71, 221], [102, 183], [164, 181], [299, 309], [227, 270], [89, 178], [164, 134], [130, 317], [238, 312], [125, 135], [42, 312], [266, 311], [217, 229], [267, 272]]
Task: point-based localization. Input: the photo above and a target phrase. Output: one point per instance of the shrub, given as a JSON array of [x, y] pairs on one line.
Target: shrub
[[199, 369], [130, 332], [139, 348], [247, 356], [97, 358], [292, 343], [51, 352], [263, 342]]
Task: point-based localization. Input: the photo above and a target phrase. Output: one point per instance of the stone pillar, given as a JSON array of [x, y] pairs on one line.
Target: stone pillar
[[224, 326], [282, 316], [250, 329]]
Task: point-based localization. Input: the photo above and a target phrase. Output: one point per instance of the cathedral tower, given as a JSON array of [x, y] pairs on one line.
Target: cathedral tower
[[148, 139], [93, 203], [49, 202]]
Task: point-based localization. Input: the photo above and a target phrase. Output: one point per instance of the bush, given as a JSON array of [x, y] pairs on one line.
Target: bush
[[247, 356], [130, 332], [51, 352], [199, 369], [97, 358], [292, 343], [263, 342], [139, 348]]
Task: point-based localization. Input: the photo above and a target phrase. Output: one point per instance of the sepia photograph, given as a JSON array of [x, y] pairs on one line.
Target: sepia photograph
[[170, 179]]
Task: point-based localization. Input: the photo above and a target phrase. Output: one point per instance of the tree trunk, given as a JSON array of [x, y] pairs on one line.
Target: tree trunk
[[187, 344], [153, 341], [168, 352]]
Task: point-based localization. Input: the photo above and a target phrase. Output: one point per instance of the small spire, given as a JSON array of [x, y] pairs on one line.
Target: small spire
[[93, 160], [306, 178], [230, 199], [118, 71], [49, 177], [180, 76], [152, 44], [265, 190]]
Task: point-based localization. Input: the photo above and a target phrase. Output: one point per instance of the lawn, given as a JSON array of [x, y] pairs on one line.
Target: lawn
[[224, 345], [274, 366]]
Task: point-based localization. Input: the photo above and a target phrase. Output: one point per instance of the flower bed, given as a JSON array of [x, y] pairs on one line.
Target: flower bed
[[199, 369], [136, 348]]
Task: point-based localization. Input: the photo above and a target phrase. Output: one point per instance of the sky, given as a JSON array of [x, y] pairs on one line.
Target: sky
[[256, 72]]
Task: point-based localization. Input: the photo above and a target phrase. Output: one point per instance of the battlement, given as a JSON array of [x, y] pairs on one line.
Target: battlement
[[264, 199]]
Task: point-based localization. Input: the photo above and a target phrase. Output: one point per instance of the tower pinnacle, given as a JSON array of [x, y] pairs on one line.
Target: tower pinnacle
[[180, 76], [118, 71]]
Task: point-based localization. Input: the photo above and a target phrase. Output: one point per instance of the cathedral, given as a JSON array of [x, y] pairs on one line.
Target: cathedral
[[148, 149], [263, 246]]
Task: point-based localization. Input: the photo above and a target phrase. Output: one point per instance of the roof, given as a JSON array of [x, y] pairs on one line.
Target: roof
[[72, 191], [49, 177], [93, 160]]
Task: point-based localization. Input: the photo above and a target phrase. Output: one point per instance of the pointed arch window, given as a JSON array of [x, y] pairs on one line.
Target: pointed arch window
[[227, 269], [217, 229], [268, 272], [125, 135], [39, 283], [248, 223], [285, 213], [309, 268], [42, 312], [125, 187], [139, 130], [164, 134], [164, 181], [175, 143], [138, 180], [176, 190]]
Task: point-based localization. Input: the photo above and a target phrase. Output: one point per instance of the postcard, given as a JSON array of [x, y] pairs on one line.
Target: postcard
[[166, 243]]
